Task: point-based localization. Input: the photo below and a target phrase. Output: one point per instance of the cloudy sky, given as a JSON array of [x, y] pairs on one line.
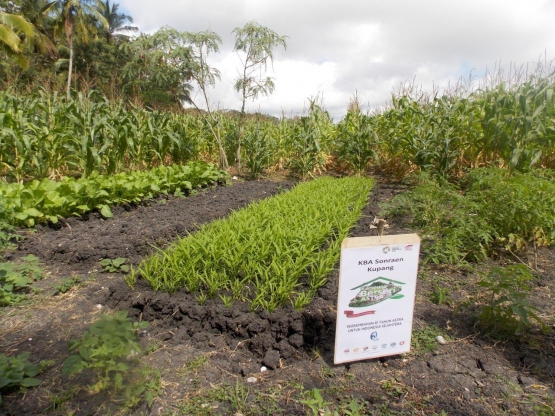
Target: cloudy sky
[[368, 46]]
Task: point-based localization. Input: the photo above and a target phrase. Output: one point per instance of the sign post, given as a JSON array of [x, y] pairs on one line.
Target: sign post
[[377, 284]]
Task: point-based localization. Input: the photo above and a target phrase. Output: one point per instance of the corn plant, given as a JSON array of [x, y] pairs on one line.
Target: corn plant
[[257, 145], [357, 142], [309, 141]]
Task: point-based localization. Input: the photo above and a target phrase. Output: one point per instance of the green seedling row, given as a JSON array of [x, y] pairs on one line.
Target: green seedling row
[[270, 253], [39, 201]]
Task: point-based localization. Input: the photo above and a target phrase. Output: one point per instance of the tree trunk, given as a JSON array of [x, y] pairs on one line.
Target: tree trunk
[[240, 134], [68, 88]]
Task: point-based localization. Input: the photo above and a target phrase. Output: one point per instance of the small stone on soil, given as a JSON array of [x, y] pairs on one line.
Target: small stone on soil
[[441, 340], [252, 380]]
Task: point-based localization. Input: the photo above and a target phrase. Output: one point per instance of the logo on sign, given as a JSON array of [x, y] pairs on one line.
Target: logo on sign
[[402, 343], [408, 247], [386, 250], [393, 344], [374, 336]]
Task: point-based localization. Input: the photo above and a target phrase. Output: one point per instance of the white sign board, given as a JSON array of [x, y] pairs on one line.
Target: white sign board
[[377, 283]]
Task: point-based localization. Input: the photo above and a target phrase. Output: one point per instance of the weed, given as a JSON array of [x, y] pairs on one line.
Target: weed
[[452, 232], [196, 364], [393, 387], [66, 284], [108, 347], [544, 410], [508, 310], [424, 339], [19, 371], [57, 401], [144, 383], [114, 265], [269, 401], [496, 211], [440, 295], [326, 372], [238, 397], [204, 404], [315, 402], [16, 278], [353, 408]]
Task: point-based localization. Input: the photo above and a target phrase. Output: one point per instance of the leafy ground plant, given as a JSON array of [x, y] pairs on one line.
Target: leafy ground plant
[[110, 348], [16, 278], [47, 200], [66, 285], [115, 265], [19, 372], [507, 310]]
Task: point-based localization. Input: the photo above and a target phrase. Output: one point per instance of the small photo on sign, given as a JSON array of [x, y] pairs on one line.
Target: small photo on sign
[[375, 291]]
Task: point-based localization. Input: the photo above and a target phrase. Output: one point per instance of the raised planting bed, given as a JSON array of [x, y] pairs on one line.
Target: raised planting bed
[[275, 251], [48, 200]]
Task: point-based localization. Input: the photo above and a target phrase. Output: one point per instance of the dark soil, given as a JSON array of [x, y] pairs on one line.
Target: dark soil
[[206, 353]]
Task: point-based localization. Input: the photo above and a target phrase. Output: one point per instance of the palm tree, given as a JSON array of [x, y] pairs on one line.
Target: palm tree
[[75, 17], [116, 21], [32, 11], [17, 33]]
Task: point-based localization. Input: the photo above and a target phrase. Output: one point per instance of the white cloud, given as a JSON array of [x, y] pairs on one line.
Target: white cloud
[[368, 46]]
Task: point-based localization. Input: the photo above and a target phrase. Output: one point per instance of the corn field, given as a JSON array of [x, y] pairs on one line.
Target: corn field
[[506, 124]]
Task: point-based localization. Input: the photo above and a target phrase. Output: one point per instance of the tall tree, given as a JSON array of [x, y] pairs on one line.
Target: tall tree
[[204, 43], [116, 21], [159, 70], [75, 17], [257, 44]]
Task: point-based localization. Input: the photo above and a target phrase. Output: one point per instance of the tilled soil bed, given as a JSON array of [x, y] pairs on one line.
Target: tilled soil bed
[[210, 356]]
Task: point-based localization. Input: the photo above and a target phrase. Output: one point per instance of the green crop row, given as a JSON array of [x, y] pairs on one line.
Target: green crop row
[[278, 250], [47, 200]]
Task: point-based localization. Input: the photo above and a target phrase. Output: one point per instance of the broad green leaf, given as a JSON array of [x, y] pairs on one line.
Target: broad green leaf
[[73, 365], [30, 382], [106, 211]]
